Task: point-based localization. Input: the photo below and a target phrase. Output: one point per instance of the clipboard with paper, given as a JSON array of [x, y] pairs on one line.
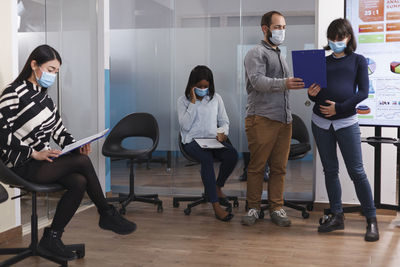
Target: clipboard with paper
[[310, 65], [84, 141]]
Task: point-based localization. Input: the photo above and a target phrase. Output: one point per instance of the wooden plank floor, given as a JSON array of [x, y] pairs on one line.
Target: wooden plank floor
[[173, 239]]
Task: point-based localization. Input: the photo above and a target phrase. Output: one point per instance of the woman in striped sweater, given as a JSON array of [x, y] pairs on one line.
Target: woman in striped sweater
[[28, 119]]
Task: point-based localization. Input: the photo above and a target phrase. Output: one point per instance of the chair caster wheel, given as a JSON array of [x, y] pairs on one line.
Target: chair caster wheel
[[78, 249], [175, 204], [305, 214], [261, 215], [310, 207], [187, 211], [236, 203], [160, 208], [80, 252]]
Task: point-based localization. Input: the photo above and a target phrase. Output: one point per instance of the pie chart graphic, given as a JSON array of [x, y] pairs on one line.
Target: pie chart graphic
[[363, 109], [371, 66], [395, 67]]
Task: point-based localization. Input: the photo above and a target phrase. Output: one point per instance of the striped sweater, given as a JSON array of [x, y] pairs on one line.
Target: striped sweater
[[28, 118]]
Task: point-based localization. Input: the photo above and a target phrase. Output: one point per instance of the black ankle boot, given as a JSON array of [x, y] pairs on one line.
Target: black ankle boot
[[372, 233], [110, 219], [51, 245], [334, 222]]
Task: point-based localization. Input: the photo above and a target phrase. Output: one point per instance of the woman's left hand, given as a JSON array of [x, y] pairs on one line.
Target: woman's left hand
[[328, 111], [85, 149], [314, 89], [222, 139]]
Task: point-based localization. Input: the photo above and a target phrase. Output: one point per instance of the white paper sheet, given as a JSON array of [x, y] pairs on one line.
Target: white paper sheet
[[209, 143]]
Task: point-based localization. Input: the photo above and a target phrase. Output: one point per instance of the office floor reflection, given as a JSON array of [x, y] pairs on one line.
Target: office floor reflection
[[184, 178], [46, 206]]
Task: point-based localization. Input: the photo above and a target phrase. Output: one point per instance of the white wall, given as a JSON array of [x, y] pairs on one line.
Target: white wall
[[388, 168], [9, 211], [103, 53], [193, 8], [326, 11]]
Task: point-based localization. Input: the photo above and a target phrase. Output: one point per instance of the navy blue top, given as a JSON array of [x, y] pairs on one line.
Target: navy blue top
[[343, 76]]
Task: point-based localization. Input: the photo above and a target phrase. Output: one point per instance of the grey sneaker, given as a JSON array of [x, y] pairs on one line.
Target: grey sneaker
[[280, 218], [251, 217]]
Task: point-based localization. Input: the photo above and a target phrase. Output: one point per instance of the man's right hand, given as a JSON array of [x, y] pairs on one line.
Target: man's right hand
[[294, 83], [46, 154]]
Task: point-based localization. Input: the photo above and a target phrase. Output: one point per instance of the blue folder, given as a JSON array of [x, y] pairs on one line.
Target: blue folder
[[310, 65]]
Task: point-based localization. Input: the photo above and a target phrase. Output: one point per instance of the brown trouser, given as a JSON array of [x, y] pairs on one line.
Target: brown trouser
[[268, 140]]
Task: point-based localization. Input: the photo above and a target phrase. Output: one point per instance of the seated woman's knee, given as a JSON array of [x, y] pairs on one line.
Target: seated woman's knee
[[77, 182], [207, 161], [82, 160]]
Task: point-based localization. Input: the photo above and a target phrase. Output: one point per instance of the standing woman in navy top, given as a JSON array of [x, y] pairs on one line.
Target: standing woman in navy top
[[334, 121], [200, 112]]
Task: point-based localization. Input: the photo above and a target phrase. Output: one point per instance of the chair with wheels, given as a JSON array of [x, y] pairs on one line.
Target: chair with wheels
[[13, 180], [297, 151], [197, 200], [3, 194], [133, 125]]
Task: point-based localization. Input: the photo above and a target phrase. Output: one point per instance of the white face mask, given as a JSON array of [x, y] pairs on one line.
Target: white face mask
[[277, 37]]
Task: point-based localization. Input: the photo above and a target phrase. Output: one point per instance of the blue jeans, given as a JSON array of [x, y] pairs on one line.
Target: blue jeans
[[349, 142], [228, 157]]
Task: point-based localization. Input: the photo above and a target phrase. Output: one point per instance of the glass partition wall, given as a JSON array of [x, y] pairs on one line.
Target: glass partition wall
[[154, 44], [70, 26]]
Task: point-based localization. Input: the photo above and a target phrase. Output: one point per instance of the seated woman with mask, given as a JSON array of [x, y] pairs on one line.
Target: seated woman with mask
[[28, 121], [201, 111]]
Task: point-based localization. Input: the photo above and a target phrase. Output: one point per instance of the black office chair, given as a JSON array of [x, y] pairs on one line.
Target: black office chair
[[3, 194], [297, 151], [13, 180], [197, 200], [133, 125]]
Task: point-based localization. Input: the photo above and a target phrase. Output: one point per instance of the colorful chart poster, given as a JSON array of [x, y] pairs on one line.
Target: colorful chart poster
[[371, 10], [376, 25]]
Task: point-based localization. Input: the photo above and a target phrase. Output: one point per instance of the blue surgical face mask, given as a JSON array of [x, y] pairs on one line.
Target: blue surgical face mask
[[201, 92], [46, 80], [278, 36], [338, 47]]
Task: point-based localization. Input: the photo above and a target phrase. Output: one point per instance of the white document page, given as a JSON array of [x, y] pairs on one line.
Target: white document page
[[209, 143], [84, 141]]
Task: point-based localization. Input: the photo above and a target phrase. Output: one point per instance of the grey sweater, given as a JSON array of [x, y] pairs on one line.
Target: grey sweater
[[266, 73]]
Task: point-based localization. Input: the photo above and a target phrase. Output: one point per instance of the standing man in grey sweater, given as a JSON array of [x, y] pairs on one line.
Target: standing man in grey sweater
[[269, 120]]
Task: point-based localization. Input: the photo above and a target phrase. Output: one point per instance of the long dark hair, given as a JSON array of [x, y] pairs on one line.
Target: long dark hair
[[41, 54], [340, 28], [198, 74]]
